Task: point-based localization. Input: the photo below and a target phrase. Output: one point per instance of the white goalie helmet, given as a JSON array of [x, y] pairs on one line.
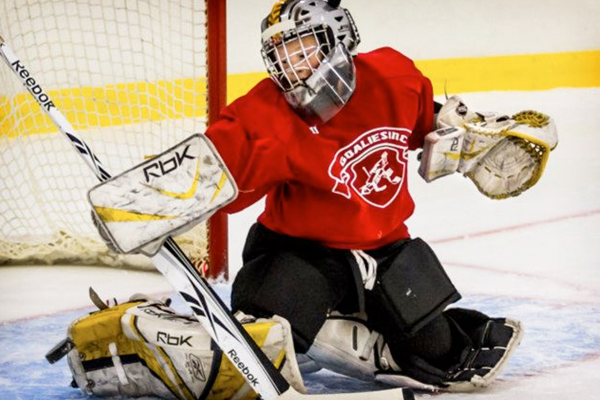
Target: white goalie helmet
[[307, 47]]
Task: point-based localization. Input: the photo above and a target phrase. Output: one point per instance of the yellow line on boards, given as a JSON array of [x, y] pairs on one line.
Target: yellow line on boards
[[530, 72], [111, 105], [129, 103], [519, 72], [240, 84]]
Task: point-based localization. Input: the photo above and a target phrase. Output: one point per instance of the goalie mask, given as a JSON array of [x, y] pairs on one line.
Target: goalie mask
[[306, 47]]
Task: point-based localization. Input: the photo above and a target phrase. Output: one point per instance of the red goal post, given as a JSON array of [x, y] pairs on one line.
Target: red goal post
[[133, 77], [217, 99]]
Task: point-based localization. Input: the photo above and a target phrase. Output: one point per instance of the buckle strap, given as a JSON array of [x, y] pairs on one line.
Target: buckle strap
[[367, 266]]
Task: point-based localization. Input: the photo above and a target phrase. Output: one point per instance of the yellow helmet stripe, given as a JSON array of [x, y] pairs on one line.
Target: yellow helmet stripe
[[275, 15]]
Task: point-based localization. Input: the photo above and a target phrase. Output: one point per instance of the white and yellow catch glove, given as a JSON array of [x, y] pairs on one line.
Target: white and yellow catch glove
[[502, 155]]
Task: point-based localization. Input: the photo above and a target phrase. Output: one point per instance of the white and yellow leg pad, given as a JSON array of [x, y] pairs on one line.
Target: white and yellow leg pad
[[347, 346], [144, 348]]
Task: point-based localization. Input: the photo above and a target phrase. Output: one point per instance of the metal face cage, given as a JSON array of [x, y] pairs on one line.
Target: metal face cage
[[293, 56]]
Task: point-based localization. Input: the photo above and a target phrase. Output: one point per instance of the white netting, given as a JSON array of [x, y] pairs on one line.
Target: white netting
[[130, 75]]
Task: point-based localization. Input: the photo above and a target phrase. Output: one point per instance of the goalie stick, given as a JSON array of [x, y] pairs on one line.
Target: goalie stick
[[207, 307]]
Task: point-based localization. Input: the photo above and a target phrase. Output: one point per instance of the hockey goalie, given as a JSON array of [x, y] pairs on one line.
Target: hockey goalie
[[330, 260]]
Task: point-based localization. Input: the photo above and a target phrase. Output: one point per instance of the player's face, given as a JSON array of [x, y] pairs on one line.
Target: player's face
[[299, 57]]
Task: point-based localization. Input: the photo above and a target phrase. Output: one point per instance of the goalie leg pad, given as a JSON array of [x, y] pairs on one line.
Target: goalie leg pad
[[346, 345], [144, 348]]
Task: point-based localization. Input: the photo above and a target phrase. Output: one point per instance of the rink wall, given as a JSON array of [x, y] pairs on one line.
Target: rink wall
[[461, 45]]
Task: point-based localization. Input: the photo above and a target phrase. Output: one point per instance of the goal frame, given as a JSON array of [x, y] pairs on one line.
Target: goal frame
[[218, 260], [206, 53]]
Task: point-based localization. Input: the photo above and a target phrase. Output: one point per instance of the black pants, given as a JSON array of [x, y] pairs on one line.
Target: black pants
[[297, 279], [302, 281]]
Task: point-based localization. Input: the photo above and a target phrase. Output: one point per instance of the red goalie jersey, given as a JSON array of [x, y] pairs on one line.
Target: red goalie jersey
[[343, 183]]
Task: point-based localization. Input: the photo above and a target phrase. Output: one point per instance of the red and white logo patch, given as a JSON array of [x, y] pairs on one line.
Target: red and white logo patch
[[373, 166]]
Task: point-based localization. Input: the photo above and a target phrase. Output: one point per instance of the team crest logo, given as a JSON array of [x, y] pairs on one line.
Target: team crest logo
[[373, 166]]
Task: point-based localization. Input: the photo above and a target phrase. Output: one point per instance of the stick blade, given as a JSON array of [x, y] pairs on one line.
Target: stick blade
[[387, 394]]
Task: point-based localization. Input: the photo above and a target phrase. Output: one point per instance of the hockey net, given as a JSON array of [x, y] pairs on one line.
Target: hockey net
[[131, 77]]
